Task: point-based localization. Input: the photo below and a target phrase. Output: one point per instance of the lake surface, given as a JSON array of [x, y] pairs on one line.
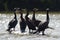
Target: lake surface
[[50, 34]]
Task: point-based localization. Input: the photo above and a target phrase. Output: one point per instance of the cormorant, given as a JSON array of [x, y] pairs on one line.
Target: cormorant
[[35, 22], [29, 22], [22, 22], [12, 23]]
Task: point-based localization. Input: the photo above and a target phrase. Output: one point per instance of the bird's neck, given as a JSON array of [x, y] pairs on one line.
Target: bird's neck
[[33, 18], [47, 16]]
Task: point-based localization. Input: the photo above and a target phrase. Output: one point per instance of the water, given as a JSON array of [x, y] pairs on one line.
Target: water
[[50, 34]]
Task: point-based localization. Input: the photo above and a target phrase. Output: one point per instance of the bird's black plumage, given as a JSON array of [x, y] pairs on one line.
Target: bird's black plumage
[[35, 22], [29, 22], [43, 26], [12, 23], [22, 23]]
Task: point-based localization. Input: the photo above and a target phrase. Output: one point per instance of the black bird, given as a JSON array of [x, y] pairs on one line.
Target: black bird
[[12, 23], [44, 25], [29, 22], [22, 23], [35, 22]]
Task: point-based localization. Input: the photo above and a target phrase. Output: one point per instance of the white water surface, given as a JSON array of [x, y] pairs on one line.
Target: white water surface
[[50, 34]]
